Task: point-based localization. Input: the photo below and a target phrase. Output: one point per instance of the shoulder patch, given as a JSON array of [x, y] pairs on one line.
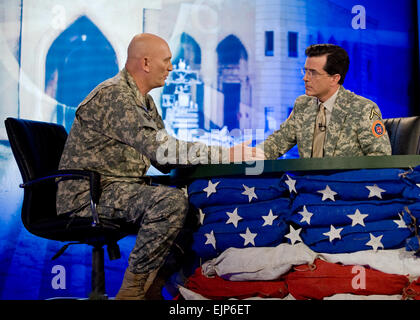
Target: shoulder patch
[[378, 129]]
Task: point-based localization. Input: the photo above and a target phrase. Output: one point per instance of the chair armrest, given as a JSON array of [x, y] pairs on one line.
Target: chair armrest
[[94, 185]]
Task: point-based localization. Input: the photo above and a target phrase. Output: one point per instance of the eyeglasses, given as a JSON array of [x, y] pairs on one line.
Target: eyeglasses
[[311, 73]]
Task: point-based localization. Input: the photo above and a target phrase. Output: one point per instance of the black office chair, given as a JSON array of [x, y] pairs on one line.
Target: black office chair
[[37, 148], [404, 134]]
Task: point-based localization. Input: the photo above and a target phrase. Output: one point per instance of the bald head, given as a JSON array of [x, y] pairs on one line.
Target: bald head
[[144, 44], [148, 61]]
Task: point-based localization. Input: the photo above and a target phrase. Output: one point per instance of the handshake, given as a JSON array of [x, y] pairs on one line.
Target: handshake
[[242, 152]]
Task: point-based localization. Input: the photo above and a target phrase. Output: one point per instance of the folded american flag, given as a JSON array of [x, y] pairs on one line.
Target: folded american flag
[[382, 234], [309, 210], [213, 238], [336, 213], [203, 193], [352, 185]]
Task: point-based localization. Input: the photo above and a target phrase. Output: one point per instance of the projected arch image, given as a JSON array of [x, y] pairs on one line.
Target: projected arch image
[[77, 61], [182, 98], [232, 78]]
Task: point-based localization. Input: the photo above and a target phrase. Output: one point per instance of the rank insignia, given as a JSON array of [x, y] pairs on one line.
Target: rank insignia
[[378, 128], [373, 113]]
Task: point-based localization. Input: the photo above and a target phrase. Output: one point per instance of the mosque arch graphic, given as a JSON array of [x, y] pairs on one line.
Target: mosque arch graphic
[[77, 61]]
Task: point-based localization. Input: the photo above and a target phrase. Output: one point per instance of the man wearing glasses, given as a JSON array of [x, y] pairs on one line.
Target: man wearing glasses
[[329, 121]]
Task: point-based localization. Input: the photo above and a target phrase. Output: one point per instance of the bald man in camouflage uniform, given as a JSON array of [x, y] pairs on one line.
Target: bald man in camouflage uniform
[[118, 132], [354, 124]]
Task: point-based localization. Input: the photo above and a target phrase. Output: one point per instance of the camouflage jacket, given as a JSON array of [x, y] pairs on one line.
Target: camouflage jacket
[[355, 129], [119, 133]]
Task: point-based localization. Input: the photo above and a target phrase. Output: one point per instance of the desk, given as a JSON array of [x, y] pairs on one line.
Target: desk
[[278, 167]]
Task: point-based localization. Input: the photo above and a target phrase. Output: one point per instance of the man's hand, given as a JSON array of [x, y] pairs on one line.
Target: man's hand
[[241, 152]]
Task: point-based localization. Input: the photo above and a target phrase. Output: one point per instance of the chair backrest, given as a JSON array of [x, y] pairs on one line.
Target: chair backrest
[[404, 134], [37, 148]]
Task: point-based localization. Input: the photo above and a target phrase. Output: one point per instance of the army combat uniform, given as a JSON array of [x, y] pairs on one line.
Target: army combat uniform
[[354, 129], [115, 133]]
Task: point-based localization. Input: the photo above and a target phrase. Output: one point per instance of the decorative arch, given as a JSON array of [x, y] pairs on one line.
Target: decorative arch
[[231, 50], [77, 61], [233, 79], [189, 51]]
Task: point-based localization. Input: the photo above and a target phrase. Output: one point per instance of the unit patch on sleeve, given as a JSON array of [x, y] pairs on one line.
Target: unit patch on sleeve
[[378, 128]]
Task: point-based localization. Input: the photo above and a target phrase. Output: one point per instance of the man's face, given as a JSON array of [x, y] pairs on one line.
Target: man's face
[[161, 65], [318, 82]]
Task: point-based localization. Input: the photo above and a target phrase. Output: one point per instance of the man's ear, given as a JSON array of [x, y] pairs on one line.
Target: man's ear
[[336, 78], [145, 64]]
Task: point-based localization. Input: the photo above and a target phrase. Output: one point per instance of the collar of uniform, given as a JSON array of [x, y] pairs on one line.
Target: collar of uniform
[[140, 99], [329, 104]]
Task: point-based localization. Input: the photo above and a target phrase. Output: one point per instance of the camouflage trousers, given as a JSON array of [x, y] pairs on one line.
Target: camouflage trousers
[[158, 211]]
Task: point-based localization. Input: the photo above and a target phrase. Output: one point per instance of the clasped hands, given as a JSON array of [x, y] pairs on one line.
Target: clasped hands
[[242, 152]]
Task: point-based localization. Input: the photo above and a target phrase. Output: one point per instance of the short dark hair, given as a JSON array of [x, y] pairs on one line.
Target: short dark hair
[[337, 58]]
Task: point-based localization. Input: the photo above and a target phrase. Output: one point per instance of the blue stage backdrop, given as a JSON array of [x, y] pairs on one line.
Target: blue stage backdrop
[[236, 66]]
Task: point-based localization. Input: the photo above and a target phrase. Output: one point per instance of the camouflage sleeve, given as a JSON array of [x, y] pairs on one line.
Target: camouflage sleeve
[[133, 125], [281, 140], [371, 132], [166, 150]]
